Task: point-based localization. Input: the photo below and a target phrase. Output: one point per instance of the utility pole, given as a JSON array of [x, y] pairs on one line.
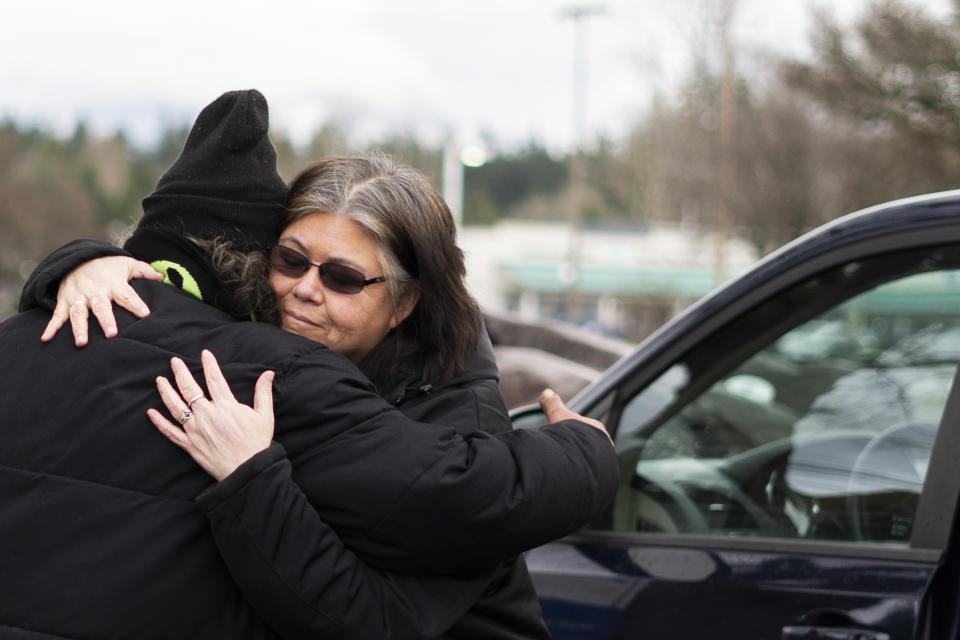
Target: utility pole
[[727, 169], [578, 173]]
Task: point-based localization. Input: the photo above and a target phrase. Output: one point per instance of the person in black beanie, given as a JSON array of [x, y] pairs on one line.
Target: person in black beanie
[[222, 189], [112, 528], [224, 185]]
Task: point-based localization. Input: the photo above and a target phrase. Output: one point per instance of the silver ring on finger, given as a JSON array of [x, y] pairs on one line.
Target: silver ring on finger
[[186, 415], [190, 402], [76, 302]]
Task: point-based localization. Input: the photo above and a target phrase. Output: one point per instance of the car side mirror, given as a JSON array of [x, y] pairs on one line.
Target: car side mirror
[[528, 417]]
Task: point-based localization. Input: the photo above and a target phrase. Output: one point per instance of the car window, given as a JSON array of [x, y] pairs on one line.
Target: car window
[[813, 417]]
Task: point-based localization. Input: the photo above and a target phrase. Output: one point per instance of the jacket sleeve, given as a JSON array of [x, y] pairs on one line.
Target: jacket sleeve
[[297, 574], [435, 497], [499, 495], [408, 496], [41, 287]]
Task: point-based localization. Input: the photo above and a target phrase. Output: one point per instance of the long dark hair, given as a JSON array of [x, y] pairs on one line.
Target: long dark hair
[[417, 244]]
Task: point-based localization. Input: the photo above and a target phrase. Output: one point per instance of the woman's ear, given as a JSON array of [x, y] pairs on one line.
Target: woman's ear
[[406, 305]]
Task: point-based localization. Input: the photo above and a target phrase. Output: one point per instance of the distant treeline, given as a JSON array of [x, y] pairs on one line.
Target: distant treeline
[[875, 115]]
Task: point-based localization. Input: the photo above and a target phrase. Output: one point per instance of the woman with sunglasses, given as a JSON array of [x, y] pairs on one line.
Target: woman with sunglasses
[[367, 264], [361, 223]]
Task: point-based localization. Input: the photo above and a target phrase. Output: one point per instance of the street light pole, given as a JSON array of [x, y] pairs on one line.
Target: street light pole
[[579, 14], [578, 174]]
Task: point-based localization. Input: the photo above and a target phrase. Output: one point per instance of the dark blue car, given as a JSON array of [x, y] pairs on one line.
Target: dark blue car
[[789, 451]]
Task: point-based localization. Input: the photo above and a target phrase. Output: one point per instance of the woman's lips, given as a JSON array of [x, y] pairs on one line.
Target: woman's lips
[[299, 319]]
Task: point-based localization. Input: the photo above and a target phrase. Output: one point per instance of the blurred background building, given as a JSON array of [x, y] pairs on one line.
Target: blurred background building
[[629, 279]]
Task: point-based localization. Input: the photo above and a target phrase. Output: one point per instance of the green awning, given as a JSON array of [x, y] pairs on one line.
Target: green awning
[[934, 293], [605, 280]]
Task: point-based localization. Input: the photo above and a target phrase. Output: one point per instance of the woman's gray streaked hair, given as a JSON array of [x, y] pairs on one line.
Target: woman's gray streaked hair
[[415, 235], [339, 186]]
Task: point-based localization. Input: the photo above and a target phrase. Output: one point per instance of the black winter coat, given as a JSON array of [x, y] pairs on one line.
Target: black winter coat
[[507, 608], [109, 542]]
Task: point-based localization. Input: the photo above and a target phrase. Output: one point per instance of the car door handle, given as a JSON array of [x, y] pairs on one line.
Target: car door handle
[[831, 633]]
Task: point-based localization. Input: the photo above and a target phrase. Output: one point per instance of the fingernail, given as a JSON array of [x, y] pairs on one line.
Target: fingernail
[[548, 393]]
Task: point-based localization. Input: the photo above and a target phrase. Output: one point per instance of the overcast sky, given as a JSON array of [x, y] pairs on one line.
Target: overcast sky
[[439, 67]]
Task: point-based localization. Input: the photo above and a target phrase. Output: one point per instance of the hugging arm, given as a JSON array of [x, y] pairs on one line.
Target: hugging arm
[[288, 561], [40, 290], [504, 494], [85, 274], [271, 519], [415, 497], [407, 496]]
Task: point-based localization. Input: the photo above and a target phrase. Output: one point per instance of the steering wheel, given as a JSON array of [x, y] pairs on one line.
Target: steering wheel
[[636, 502], [886, 480]]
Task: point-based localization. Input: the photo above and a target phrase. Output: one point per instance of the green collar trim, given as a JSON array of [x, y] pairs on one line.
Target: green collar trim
[[181, 279]]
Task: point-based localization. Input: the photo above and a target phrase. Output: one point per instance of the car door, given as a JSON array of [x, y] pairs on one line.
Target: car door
[[788, 458]]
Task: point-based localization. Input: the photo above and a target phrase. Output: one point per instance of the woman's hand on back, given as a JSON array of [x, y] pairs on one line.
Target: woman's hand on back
[[95, 285], [219, 433]]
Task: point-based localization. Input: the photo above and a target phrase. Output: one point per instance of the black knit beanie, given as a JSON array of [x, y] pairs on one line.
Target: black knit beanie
[[224, 185]]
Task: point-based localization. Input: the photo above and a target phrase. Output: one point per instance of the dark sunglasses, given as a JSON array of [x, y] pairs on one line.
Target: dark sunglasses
[[334, 276]]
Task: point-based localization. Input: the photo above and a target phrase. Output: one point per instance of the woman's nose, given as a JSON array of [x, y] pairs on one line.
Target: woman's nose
[[309, 287]]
